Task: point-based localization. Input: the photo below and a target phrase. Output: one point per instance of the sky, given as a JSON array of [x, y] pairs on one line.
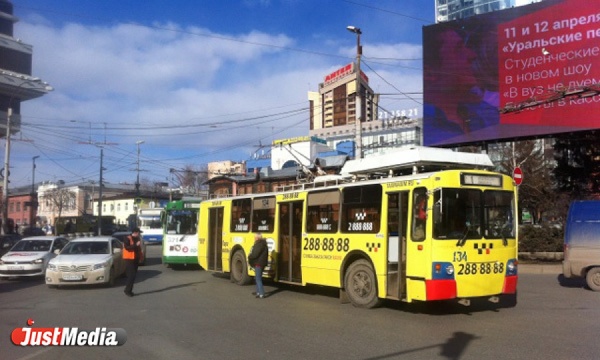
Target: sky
[[195, 81]]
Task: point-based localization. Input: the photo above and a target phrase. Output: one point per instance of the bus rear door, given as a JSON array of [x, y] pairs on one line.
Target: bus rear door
[[290, 241], [215, 239]]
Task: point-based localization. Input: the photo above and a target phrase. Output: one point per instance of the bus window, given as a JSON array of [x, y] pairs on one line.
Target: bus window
[[263, 214], [323, 212], [499, 214], [361, 209], [240, 215], [419, 214], [459, 216]]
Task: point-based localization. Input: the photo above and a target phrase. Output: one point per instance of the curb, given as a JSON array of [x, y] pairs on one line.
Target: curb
[[554, 269]]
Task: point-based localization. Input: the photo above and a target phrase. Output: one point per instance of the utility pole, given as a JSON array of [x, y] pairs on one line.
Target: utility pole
[[358, 99], [137, 183], [100, 194], [6, 171], [34, 201]]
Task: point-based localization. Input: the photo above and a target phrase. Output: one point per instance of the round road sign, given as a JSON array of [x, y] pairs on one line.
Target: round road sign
[[518, 176]]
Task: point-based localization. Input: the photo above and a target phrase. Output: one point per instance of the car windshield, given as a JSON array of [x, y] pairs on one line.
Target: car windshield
[[32, 245], [86, 247]]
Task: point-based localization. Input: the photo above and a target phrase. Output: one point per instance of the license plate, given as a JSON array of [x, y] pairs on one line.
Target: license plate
[[71, 277], [16, 267]]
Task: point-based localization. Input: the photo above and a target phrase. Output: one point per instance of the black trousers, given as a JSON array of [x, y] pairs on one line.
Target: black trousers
[[131, 267]]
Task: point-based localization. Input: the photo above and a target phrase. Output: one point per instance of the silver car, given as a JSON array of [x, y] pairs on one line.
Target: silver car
[[30, 256], [89, 260]]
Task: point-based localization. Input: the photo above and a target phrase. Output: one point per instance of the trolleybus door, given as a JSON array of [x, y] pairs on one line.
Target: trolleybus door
[[290, 241], [396, 263], [215, 239]]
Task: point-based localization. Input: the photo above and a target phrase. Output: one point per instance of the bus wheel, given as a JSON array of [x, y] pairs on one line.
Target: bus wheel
[[239, 269], [361, 285], [593, 278]]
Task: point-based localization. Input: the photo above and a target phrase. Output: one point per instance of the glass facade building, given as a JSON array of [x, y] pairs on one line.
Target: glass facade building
[[447, 10]]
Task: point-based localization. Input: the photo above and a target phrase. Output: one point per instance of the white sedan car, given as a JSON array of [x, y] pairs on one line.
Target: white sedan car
[[90, 260], [30, 256]]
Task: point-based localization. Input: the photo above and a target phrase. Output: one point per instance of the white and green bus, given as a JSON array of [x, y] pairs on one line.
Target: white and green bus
[[180, 228]]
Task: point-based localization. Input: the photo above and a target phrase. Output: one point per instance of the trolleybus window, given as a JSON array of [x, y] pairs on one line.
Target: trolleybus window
[[462, 215], [323, 212], [419, 214], [263, 214], [499, 214], [459, 215], [240, 215], [361, 209]]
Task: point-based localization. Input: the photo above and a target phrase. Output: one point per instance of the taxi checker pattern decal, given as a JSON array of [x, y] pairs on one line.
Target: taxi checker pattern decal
[[373, 247], [484, 248]]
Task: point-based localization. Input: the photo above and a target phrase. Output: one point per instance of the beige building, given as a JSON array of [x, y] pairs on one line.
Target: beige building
[[337, 101], [227, 167]]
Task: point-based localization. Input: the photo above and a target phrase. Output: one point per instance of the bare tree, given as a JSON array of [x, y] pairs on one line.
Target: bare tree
[[60, 199], [537, 192], [190, 178]]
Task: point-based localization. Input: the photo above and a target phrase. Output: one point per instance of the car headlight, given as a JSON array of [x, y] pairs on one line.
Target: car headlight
[[38, 261], [51, 267], [100, 266]]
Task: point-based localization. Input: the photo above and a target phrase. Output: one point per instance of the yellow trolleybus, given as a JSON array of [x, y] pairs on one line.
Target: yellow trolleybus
[[445, 230]]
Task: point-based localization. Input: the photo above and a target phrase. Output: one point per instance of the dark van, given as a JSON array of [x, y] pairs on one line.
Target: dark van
[[582, 243]]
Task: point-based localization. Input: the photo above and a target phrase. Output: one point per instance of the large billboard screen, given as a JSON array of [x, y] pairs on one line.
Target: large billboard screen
[[527, 71]]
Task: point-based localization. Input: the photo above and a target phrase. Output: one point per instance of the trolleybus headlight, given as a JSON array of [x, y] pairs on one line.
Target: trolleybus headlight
[[443, 270], [511, 267]]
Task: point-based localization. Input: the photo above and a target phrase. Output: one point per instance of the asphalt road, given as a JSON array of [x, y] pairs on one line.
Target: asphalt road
[[193, 314]]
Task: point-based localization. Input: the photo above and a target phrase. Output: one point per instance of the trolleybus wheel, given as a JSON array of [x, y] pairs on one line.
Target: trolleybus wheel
[[361, 285], [239, 269], [592, 278]]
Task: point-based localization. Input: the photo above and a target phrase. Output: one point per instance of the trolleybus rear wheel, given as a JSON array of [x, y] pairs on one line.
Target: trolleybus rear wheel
[[361, 285], [239, 269]]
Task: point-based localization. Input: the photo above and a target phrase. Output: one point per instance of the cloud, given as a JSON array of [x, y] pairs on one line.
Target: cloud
[[190, 93]]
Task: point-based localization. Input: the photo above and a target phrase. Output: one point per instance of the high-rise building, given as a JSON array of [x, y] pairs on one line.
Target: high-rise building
[[16, 82], [447, 10], [333, 116], [336, 102]]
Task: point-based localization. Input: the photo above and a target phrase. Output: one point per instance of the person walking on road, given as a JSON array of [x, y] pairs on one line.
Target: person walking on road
[[131, 255], [258, 259]]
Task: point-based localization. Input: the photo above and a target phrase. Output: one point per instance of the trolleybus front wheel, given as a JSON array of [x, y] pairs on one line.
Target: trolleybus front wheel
[[361, 285], [239, 269]]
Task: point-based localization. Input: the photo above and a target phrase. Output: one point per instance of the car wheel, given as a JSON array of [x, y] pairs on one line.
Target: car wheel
[[111, 278], [592, 278]]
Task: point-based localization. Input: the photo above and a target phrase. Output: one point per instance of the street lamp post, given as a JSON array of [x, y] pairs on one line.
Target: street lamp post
[[33, 197], [358, 139]]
